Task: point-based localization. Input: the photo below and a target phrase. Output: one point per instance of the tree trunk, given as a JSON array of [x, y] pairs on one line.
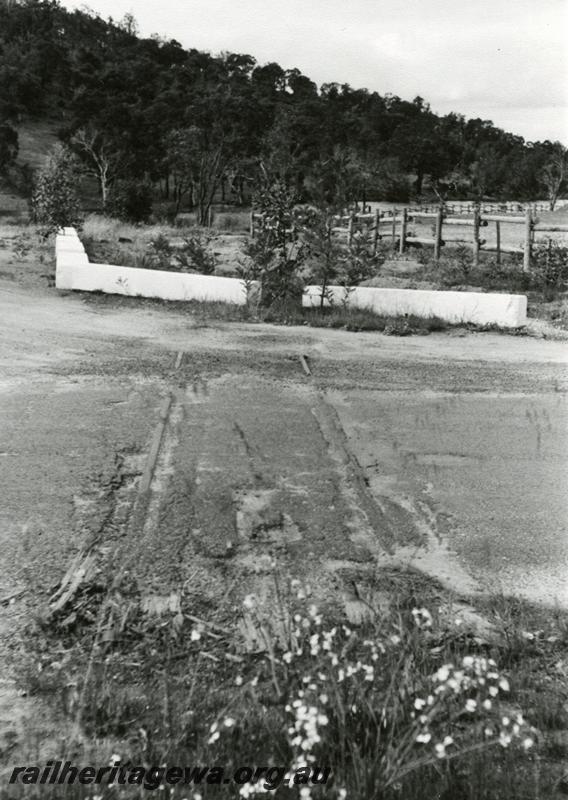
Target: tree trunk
[[419, 182], [104, 191], [240, 193]]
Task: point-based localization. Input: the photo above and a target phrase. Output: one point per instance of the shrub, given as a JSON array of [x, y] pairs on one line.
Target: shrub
[[549, 271], [196, 254], [274, 257], [55, 203], [232, 221], [131, 200], [164, 212]]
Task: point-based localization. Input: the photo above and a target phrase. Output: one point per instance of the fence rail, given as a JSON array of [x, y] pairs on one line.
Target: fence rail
[[392, 225]]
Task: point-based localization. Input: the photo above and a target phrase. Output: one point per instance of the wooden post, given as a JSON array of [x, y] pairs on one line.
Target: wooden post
[[528, 240], [251, 225], [350, 229], [403, 226], [210, 217], [376, 231], [476, 225], [394, 213], [498, 240], [438, 234]]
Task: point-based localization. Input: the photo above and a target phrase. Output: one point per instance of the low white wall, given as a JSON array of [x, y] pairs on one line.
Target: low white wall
[[507, 310], [74, 271]]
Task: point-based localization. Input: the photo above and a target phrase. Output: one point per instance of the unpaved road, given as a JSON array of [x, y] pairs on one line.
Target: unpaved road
[[447, 452]]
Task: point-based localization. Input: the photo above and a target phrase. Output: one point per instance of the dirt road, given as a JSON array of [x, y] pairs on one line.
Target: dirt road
[[447, 452]]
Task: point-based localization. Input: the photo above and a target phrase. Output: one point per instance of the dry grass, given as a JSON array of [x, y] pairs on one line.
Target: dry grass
[[100, 228], [407, 703]]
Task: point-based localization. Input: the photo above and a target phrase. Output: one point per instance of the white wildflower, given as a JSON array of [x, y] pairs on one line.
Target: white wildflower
[[440, 750], [504, 739]]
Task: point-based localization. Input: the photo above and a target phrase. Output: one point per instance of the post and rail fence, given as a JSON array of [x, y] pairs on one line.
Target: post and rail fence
[[393, 225]]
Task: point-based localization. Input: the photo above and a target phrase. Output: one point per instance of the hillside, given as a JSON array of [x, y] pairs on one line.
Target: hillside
[[192, 128]]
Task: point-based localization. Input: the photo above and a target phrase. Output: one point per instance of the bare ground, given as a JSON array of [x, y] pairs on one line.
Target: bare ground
[[445, 452]]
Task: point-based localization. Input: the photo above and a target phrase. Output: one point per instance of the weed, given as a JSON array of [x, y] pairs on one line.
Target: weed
[[402, 704], [196, 254], [232, 221], [549, 269], [22, 246]]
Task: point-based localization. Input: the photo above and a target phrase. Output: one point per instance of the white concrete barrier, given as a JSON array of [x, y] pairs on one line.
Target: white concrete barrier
[[74, 271], [506, 310]]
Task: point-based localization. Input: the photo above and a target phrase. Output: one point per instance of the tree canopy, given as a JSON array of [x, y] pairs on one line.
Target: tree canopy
[[199, 126]]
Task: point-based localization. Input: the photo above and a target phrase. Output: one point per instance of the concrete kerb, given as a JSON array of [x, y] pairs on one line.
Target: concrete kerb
[[505, 310], [74, 271]]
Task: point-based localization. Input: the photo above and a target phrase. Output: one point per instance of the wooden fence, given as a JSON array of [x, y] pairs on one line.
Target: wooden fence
[[392, 226]]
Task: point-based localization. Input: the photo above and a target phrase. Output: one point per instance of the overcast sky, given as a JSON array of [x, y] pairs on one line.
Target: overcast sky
[[504, 60]]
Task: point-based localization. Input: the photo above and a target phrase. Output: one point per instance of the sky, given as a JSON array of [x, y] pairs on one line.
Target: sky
[[503, 60]]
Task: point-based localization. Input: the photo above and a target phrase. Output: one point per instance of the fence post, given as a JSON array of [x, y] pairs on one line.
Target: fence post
[[376, 231], [403, 226], [498, 240], [438, 234], [350, 229], [251, 225], [528, 239], [394, 213], [476, 225]]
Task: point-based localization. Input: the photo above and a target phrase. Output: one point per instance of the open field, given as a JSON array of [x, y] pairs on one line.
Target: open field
[[399, 473]]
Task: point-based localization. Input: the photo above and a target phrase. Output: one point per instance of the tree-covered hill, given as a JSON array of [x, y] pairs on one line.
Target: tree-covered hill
[[195, 127]]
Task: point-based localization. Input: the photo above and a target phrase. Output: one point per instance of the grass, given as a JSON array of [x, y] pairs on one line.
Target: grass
[[140, 248], [355, 319], [232, 221], [360, 320], [406, 704], [97, 227]]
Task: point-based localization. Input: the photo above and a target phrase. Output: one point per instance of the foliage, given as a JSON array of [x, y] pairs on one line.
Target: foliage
[[131, 200], [196, 125], [329, 259], [549, 268], [275, 256], [371, 701], [55, 203], [555, 173], [8, 147], [406, 701], [196, 254]]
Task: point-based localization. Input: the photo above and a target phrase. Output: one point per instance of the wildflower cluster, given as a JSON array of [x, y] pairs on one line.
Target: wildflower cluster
[[464, 702], [362, 701]]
